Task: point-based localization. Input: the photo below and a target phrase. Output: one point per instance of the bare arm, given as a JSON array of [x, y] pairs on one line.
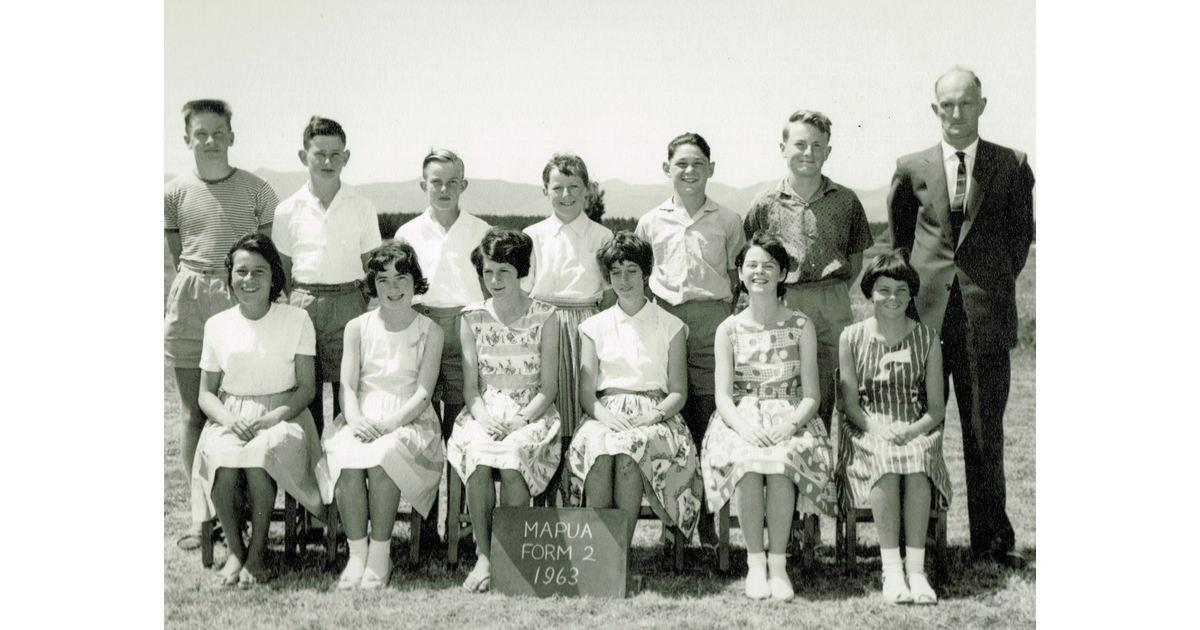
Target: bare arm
[[934, 396], [676, 384], [723, 393], [287, 273], [808, 377], [849, 383], [431, 363], [856, 265], [175, 246], [210, 404], [472, 397], [589, 379]]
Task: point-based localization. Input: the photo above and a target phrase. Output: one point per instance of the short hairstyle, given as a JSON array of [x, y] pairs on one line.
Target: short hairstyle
[[568, 164], [398, 255], [894, 265], [975, 77], [318, 126], [504, 246], [689, 138], [206, 106], [809, 117], [626, 246], [261, 244], [443, 156], [773, 245]]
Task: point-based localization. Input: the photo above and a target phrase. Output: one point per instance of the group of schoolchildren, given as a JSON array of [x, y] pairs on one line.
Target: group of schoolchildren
[[616, 361]]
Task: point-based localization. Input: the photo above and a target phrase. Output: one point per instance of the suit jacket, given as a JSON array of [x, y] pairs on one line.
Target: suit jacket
[[993, 243]]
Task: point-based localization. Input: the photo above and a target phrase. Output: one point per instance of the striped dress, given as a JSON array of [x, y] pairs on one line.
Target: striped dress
[[891, 383]]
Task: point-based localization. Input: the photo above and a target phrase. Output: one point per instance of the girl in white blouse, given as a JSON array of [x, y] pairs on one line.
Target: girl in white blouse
[[633, 383]]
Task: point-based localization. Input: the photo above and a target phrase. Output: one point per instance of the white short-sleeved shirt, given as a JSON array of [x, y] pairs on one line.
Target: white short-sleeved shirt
[[564, 265], [445, 257], [326, 245], [257, 357], [692, 256], [633, 350]]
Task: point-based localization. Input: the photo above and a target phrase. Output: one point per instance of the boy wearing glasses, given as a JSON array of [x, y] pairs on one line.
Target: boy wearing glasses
[[325, 233]]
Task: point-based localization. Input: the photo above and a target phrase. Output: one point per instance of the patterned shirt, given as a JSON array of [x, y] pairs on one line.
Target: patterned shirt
[[211, 216], [820, 234], [326, 245], [692, 256], [564, 265], [445, 257]]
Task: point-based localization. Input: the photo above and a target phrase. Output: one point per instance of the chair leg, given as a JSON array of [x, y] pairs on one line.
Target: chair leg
[[206, 544], [808, 555], [414, 527], [851, 541], [680, 542], [332, 523], [290, 538], [453, 510], [723, 538], [839, 538]]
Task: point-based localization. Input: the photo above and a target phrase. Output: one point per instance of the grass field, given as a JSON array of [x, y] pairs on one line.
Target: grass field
[[972, 595]]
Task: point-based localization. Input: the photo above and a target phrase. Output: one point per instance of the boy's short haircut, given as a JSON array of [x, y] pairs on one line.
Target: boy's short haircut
[[626, 246], [318, 126], [809, 117], [893, 265], [398, 255], [206, 106], [504, 246], [689, 138], [261, 244], [773, 245], [568, 164], [443, 156]]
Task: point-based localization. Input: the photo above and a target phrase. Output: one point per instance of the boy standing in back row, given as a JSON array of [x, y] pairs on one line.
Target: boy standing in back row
[[206, 212], [825, 230], [325, 233]]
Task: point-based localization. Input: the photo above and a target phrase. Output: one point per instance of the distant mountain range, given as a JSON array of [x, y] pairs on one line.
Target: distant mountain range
[[498, 197]]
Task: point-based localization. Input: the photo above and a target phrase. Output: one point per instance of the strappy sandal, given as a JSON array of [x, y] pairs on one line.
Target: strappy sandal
[[922, 592], [478, 583], [371, 582], [895, 591]]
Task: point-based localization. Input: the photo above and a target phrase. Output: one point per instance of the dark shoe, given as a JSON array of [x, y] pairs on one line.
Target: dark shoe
[[1010, 559]]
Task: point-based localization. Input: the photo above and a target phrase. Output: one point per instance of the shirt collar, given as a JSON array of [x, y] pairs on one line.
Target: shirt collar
[[670, 206], [344, 192], [579, 225], [642, 316], [948, 152], [827, 186]]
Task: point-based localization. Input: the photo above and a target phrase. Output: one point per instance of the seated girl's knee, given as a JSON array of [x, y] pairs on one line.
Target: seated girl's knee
[[627, 467]]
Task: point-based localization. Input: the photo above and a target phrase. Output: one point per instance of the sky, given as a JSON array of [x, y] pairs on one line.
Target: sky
[[507, 84]]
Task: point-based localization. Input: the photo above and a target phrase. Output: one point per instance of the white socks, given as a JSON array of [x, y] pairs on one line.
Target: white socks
[[757, 586], [378, 563], [914, 560], [352, 574], [780, 583], [918, 583], [895, 591]]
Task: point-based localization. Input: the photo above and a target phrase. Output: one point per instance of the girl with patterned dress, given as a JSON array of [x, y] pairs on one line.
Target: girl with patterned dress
[[891, 379], [387, 440], [766, 433], [509, 427], [255, 386], [633, 384]]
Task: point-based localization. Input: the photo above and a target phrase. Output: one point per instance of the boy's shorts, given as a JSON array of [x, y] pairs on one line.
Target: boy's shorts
[[449, 387], [330, 307], [827, 306], [196, 294]]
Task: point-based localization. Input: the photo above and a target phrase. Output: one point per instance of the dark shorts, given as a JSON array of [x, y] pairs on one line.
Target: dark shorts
[[331, 307]]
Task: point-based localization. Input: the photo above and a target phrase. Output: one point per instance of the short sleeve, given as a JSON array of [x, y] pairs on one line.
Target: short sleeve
[[281, 231], [751, 224], [307, 343], [642, 230], [591, 325], [267, 202], [860, 228], [735, 240], [209, 357], [170, 211], [672, 325], [370, 235]]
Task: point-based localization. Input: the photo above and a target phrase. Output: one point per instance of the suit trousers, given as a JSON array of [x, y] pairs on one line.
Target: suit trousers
[[981, 384]]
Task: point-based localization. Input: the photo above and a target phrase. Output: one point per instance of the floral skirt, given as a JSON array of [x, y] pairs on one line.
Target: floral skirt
[[664, 452], [534, 450], [806, 458], [412, 455], [290, 452]]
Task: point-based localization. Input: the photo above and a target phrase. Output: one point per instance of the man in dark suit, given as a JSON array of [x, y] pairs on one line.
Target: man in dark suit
[[965, 210]]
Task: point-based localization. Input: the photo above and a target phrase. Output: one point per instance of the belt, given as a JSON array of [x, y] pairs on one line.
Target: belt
[[569, 305], [656, 394], [437, 311], [203, 271], [328, 289]]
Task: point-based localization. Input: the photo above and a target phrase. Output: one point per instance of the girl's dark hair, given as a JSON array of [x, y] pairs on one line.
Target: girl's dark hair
[[502, 245], [398, 255], [262, 245], [626, 246], [773, 245], [893, 265]]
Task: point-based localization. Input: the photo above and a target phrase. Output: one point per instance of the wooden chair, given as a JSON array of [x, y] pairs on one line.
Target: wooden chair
[[805, 528], [849, 516], [297, 530]]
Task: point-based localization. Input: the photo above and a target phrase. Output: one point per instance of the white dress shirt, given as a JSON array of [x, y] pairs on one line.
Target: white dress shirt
[[633, 350], [950, 161], [326, 244], [564, 265], [445, 257]]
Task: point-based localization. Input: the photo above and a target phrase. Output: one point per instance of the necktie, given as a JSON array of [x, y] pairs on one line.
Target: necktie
[[960, 196]]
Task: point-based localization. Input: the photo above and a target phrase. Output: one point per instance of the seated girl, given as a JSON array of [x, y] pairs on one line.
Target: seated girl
[[509, 427], [891, 379], [255, 386], [766, 433], [387, 441], [633, 383]]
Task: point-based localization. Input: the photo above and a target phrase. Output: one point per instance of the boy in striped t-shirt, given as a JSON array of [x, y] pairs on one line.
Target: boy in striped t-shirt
[[206, 212]]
